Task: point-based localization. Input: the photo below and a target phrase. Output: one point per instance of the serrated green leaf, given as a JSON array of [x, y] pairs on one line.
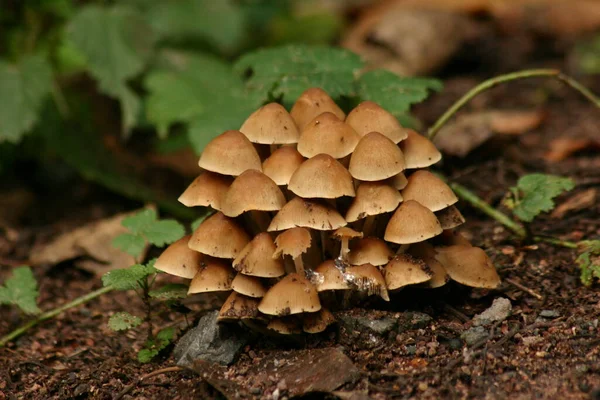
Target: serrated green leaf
[[170, 291], [145, 224], [24, 87], [123, 320], [395, 93], [317, 28], [130, 243], [537, 192], [146, 355], [127, 278], [153, 347], [140, 221], [164, 232], [166, 335], [589, 261], [287, 71], [21, 290]]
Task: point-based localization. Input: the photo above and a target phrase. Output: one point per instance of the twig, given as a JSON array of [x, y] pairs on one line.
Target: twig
[[53, 313], [130, 387], [524, 288]]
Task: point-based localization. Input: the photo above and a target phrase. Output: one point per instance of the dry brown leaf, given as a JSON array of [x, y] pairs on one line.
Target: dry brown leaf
[[581, 200], [92, 241], [564, 147]]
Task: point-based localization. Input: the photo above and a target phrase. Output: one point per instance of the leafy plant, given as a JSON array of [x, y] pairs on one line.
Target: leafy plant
[[21, 290], [154, 346], [589, 261]]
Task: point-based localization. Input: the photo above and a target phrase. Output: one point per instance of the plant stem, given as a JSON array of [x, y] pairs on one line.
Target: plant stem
[[488, 84], [53, 313], [556, 242]]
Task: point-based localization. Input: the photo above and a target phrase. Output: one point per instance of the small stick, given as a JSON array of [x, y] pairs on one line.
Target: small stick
[[130, 387], [524, 288]]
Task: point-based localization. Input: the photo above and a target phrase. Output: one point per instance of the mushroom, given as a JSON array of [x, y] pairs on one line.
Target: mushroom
[[219, 236], [468, 265], [327, 134], [370, 250], [179, 260], [427, 253], [206, 190], [294, 294], [412, 223], [397, 181], [238, 306], [370, 117], [307, 214], [419, 152], [429, 190], [250, 286], [271, 124], [321, 176], [450, 217], [367, 278], [286, 325], [293, 242], [344, 235], [214, 275], [282, 164], [451, 237], [404, 270], [256, 258], [331, 277], [372, 198], [230, 153], [312, 102], [318, 321], [376, 158]]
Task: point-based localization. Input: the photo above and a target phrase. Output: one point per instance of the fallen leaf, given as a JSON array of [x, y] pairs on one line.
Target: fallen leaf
[[563, 147], [579, 201], [92, 242]]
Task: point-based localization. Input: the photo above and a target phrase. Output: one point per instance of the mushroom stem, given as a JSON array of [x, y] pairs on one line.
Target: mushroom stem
[[273, 148], [299, 266], [262, 219], [323, 245], [368, 225], [345, 249], [402, 249]]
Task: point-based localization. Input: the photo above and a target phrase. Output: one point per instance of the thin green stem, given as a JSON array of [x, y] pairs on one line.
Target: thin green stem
[[556, 242], [53, 313]]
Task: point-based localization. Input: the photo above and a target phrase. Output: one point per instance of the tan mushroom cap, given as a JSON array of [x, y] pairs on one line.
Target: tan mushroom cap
[[214, 275], [404, 270], [250, 286], [293, 242], [206, 190], [312, 102], [291, 295], [252, 191], [219, 236], [370, 250], [282, 164], [373, 198], [346, 233], [376, 158], [179, 260], [307, 214], [419, 152], [331, 277], [256, 258], [327, 134], [427, 253], [367, 278], [317, 322], [371, 117], [429, 190], [238, 306], [412, 223], [286, 325], [451, 237], [398, 181], [321, 176], [450, 217], [271, 124], [230, 153], [468, 265]]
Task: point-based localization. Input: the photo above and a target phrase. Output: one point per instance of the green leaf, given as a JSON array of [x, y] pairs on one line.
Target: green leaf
[[21, 290], [537, 192], [196, 223], [287, 71], [167, 334], [140, 221], [145, 224], [23, 88], [587, 55], [395, 93], [320, 28], [130, 243], [153, 347], [170, 291], [146, 355], [117, 43], [589, 261], [123, 320], [164, 232], [128, 278]]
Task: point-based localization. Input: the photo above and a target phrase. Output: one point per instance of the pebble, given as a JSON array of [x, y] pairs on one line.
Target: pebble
[[549, 314], [498, 312], [474, 334]]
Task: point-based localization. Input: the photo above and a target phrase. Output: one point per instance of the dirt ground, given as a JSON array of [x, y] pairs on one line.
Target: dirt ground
[[76, 356]]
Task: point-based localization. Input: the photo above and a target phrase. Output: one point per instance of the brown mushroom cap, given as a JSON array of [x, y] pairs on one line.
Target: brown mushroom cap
[[370, 250], [250, 286], [327, 134], [308, 214], [252, 191], [238, 306], [206, 190], [331, 277], [426, 252], [367, 278], [256, 258], [219, 236], [286, 325], [312, 102], [179, 260], [450, 217], [429, 190], [412, 223], [419, 152], [282, 164], [398, 181], [346, 233], [317, 322], [291, 295], [404, 270], [451, 237], [370, 117], [376, 158], [230, 153], [293, 242], [373, 198], [271, 124], [468, 265], [321, 176], [214, 275]]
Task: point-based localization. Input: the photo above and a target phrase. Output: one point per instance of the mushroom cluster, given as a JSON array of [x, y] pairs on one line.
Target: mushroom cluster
[[313, 204]]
